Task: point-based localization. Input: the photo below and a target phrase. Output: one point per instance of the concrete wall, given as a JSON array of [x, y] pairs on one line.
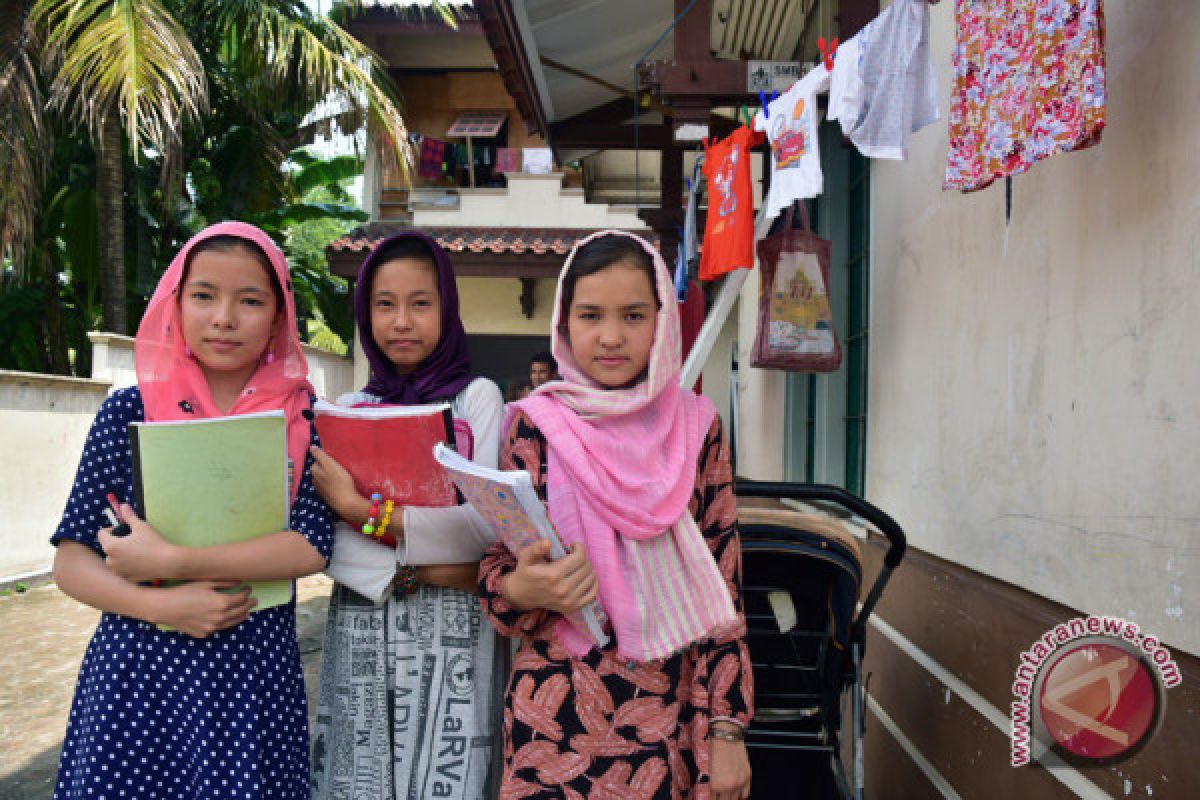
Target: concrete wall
[[44, 420], [1033, 385], [112, 362], [530, 201]]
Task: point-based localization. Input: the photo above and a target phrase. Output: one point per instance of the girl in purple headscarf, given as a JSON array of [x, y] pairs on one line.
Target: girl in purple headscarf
[[412, 676]]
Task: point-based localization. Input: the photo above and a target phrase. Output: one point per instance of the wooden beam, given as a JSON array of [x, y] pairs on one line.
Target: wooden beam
[[614, 112], [609, 137], [503, 36], [721, 82], [693, 33], [853, 16]]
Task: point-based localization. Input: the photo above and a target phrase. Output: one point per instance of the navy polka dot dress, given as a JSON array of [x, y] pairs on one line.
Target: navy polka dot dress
[[163, 715]]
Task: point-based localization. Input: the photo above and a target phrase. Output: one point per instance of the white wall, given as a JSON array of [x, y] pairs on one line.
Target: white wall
[[530, 201], [44, 420], [716, 372], [1033, 387], [762, 397], [112, 361]]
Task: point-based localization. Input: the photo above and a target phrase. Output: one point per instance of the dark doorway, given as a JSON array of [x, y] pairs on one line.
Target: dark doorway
[[503, 358]]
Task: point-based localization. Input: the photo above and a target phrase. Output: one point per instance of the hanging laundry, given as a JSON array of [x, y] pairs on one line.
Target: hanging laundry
[[691, 320], [883, 86], [729, 228], [508, 159], [687, 255], [1029, 82], [790, 122], [538, 160], [432, 158]]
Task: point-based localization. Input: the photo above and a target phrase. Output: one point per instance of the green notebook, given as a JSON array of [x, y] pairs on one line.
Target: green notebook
[[215, 481]]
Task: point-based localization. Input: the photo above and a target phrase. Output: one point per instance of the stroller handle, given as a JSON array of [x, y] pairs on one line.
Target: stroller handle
[[839, 496]]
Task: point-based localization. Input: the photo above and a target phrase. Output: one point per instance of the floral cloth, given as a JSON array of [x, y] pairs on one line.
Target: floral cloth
[[601, 726], [1028, 83]]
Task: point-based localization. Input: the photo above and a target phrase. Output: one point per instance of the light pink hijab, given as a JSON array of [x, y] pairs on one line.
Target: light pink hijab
[[621, 468], [171, 380]]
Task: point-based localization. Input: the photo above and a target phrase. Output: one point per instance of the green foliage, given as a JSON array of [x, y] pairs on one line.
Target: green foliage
[[216, 100]]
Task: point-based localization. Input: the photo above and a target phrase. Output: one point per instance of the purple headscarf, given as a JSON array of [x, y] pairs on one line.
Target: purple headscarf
[[445, 371]]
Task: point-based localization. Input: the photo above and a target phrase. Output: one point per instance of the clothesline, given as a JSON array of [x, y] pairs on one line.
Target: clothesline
[[1012, 105]]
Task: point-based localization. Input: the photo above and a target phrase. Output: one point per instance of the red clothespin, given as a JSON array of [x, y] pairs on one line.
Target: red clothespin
[[827, 51]]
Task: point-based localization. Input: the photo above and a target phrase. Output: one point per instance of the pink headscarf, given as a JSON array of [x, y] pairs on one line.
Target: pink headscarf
[[174, 387], [621, 468]]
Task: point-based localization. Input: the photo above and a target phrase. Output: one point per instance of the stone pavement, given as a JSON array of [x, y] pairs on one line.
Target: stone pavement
[[43, 634]]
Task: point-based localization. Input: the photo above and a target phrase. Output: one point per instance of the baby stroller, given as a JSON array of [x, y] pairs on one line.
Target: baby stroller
[[802, 576]]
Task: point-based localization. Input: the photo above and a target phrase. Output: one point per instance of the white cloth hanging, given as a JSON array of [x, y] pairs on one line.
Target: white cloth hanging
[[884, 87], [791, 126]]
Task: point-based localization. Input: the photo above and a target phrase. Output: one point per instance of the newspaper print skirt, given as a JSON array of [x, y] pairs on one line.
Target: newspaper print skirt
[[410, 699]]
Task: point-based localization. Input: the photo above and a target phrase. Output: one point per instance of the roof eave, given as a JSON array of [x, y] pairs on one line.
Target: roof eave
[[519, 72]]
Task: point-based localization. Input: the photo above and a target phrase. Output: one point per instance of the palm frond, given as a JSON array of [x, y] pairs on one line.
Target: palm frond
[[26, 142], [128, 56], [293, 49]]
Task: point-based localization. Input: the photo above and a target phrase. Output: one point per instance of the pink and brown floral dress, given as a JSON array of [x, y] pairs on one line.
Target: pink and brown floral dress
[[1028, 83], [602, 727]]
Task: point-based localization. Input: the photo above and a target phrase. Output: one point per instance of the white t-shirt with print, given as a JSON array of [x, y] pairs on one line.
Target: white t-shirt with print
[[791, 127]]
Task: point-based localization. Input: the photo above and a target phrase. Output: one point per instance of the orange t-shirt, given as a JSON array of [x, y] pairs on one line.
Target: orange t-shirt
[[729, 229]]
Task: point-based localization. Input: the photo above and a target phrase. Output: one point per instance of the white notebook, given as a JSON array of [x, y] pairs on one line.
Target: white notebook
[[507, 501]]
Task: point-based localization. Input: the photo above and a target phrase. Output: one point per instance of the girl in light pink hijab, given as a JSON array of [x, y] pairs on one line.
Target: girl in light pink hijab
[[635, 474], [186, 690]]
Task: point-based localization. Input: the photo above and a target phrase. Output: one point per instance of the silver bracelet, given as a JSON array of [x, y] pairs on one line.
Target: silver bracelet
[[727, 734]]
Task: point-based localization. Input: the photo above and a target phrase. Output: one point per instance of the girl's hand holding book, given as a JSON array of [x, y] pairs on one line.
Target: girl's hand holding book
[[143, 555], [565, 586], [333, 482], [336, 487], [202, 608]]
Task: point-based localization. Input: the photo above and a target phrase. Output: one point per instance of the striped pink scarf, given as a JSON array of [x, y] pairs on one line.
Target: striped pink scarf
[[621, 468]]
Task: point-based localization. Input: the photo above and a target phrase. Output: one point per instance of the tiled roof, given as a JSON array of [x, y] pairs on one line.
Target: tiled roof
[[499, 241]]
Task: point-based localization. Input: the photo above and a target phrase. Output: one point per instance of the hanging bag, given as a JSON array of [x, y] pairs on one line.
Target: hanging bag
[[795, 322]]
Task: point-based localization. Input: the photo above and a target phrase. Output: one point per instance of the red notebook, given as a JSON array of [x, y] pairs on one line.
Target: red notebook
[[389, 449]]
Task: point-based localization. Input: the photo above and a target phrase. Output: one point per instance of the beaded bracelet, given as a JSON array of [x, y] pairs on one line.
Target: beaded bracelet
[[368, 527], [387, 519], [406, 580]]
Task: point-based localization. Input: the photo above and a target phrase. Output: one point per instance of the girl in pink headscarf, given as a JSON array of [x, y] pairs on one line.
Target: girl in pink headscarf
[[215, 708], [635, 473]]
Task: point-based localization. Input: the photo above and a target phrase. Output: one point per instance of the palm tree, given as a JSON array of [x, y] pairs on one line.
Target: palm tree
[[26, 145], [139, 77]]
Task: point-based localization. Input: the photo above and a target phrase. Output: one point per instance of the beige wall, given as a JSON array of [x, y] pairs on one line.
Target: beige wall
[[1033, 387], [493, 306]]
